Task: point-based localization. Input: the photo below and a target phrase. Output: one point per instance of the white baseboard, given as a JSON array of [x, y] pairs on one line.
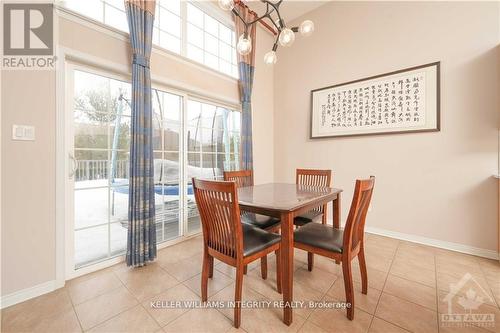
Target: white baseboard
[[491, 254], [26, 294]]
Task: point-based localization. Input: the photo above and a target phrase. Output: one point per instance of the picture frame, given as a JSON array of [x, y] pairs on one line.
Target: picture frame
[[402, 101]]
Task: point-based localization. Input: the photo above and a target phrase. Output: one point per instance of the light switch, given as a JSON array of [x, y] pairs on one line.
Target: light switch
[[23, 133]]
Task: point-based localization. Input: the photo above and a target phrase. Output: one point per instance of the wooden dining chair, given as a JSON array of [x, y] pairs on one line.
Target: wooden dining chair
[[245, 178], [342, 245], [227, 239], [311, 177]]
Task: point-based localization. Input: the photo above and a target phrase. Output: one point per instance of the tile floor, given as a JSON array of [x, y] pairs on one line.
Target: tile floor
[[408, 289]]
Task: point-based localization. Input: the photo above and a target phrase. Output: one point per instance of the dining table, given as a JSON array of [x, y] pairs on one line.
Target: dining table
[[285, 201]]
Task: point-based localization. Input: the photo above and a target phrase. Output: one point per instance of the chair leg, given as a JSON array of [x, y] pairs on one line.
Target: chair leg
[[211, 267], [237, 296], [204, 276], [245, 269], [310, 261], [263, 267], [278, 270], [349, 292], [362, 268]]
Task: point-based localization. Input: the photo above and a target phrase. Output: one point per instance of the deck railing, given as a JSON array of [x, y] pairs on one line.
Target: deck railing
[[99, 169]]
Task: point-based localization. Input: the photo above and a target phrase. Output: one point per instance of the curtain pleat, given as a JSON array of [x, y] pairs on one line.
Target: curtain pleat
[[141, 240], [246, 65]]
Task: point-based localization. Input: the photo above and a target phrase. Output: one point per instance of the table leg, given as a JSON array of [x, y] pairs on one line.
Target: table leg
[[336, 215], [336, 212], [287, 264]]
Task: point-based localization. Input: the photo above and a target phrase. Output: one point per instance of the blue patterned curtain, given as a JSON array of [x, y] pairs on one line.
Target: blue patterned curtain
[[246, 65], [141, 241]]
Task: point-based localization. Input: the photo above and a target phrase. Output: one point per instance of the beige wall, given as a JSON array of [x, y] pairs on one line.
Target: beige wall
[[28, 168], [435, 185]]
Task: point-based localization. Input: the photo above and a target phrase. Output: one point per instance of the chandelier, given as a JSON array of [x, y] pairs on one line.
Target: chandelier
[[285, 36]]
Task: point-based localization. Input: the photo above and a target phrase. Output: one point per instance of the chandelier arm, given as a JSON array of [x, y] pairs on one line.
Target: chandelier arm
[[276, 9]]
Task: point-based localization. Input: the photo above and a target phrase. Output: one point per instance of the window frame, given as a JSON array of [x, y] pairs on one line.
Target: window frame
[[207, 8]]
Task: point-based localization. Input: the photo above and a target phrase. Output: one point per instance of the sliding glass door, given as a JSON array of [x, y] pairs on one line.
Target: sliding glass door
[[191, 138]]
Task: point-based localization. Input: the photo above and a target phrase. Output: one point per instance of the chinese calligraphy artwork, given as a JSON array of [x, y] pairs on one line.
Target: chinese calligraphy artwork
[[396, 102]]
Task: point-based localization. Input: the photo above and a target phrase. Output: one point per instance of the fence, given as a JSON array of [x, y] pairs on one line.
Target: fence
[[99, 169]]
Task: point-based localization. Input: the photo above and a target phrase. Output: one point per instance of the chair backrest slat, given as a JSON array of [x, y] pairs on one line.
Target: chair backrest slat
[[355, 226], [314, 177], [220, 216], [241, 178]]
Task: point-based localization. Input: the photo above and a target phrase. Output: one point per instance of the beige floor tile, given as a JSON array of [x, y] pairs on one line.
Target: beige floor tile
[[226, 296], [180, 251], [377, 262], [410, 316], [215, 284], [443, 255], [133, 320], [335, 320], [458, 269], [309, 327], [304, 294], [317, 279], [101, 308], [407, 270], [160, 308], [184, 269], [469, 305], [269, 320], [85, 288], [426, 261], [327, 265], [415, 248], [25, 316], [468, 329], [411, 291], [382, 240], [376, 278], [199, 320], [145, 282], [367, 303], [444, 282], [377, 250], [381, 326], [62, 322]]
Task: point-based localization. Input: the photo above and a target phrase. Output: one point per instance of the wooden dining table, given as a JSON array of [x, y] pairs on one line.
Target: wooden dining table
[[285, 201]]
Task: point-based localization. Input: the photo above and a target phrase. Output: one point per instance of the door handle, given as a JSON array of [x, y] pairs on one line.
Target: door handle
[[73, 165]]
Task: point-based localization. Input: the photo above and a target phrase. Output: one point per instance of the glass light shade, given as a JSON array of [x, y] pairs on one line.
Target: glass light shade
[[286, 37], [306, 28], [244, 45], [226, 4], [270, 58]]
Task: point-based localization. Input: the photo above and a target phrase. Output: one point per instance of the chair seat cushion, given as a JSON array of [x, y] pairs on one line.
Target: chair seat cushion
[[256, 239], [259, 221], [311, 216], [320, 236]]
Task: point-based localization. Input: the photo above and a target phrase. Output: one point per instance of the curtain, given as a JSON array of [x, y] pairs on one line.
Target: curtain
[[246, 65], [141, 239]]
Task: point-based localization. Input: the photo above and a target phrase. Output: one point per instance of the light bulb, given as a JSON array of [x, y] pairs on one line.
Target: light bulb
[[226, 4], [306, 28], [286, 37], [244, 45], [270, 58]]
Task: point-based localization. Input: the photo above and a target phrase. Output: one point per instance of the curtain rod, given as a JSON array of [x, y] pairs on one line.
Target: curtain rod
[[267, 26]]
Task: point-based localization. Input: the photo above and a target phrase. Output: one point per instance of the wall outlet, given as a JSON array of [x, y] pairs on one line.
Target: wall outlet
[[23, 133]]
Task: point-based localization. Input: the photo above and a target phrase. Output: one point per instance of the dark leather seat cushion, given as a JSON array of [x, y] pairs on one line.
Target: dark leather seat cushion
[[320, 236], [259, 221], [308, 217], [256, 240]]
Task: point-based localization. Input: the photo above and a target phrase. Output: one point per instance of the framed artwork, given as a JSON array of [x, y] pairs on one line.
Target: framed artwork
[[403, 101]]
